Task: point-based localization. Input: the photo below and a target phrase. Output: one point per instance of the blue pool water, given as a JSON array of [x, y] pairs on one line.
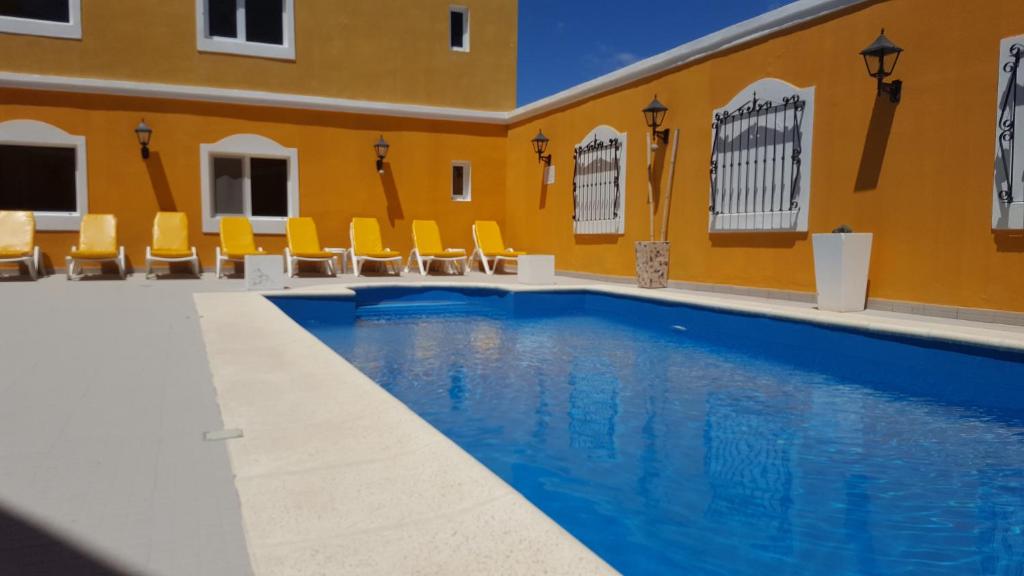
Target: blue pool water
[[678, 440]]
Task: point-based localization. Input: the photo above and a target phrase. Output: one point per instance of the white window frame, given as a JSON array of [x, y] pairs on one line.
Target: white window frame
[[613, 225], [1009, 216], [784, 221], [464, 10], [36, 133], [247, 146], [207, 43], [30, 27], [467, 181]]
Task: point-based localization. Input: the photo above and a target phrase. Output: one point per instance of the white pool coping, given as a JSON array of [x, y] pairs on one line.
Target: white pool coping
[[335, 475]]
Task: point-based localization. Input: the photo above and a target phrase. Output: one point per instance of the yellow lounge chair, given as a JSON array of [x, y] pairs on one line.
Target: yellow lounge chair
[[368, 247], [304, 246], [18, 241], [427, 248], [490, 246], [236, 241], [170, 242], [97, 242]]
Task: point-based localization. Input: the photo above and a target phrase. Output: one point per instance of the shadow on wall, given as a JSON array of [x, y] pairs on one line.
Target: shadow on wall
[[158, 179], [26, 548], [875, 143], [387, 180], [756, 239], [543, 189], [1009, 241]]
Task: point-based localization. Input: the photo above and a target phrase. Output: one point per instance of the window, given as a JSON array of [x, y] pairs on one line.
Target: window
[[249, 175], [263, 28], [1008, 186], [57, 18], [458, 28], [462, 181], [761, 159], [599, 183], [42, 169]]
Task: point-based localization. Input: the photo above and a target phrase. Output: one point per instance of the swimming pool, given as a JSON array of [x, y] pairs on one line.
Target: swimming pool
[[675, 439]]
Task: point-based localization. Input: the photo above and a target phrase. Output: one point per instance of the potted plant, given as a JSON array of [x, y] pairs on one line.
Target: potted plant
[[841, 261]]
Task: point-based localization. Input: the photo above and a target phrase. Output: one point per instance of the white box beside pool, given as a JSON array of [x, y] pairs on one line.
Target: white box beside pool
[[264, 273], [536, 269]]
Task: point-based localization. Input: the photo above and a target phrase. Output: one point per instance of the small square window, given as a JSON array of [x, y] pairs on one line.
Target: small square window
[[458, 28], [54, 18], [462, 181], [262, 28]]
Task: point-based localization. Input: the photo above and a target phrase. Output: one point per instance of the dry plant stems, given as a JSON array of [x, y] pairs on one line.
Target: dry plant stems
[[668, 193], [650, 189]]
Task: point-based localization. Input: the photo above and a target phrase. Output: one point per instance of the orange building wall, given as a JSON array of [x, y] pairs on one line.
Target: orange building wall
[[927, 199], [337, 175], [379, 50]]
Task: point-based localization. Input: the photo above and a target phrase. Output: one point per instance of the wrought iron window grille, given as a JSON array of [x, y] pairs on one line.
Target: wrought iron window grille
[[596, 185], [1006, 139], [755, 157]]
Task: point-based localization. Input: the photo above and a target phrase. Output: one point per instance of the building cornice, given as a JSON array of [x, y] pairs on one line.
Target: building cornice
[[772, 22]]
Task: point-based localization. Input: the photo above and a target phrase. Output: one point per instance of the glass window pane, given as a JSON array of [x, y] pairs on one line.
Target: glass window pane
[[269, 183], [458, 181], [264, 21], [37, 178], [48, 10], [457, 27], [221, 17], [228, 187]]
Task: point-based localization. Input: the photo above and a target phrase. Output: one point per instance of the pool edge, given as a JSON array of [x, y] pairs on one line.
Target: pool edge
[[311, 499]]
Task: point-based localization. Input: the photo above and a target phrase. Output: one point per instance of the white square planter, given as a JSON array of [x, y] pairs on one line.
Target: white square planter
[[841, 264], [536, 269]]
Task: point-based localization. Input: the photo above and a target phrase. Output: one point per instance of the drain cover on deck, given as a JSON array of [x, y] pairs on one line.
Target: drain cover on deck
[[216, 435]]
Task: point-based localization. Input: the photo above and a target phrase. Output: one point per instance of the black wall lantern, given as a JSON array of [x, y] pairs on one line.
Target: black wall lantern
[[540, 145], [144, 133], [654, 114], [381, 148], [880, 58]]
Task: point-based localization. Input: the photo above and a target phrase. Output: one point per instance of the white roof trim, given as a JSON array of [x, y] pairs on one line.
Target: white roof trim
[[766, 24]]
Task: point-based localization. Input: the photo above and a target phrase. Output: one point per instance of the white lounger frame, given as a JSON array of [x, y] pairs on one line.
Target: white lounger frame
[[498, 259], [71, 261], [358, 261], [292, 263], [33, 261], [424, 262], [222, 258], [150, 259]]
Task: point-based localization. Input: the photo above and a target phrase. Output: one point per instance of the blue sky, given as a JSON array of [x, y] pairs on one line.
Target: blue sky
[[565, 42]]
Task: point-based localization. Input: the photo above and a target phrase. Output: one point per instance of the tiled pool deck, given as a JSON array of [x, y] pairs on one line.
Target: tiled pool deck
[[107, 391]]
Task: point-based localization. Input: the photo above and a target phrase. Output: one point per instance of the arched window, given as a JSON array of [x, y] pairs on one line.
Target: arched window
[[599, 182], [1008, 186], [249, 175], [43, 170], [761, 159]]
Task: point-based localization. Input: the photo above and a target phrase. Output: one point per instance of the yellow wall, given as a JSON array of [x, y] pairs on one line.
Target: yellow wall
[[930, 211], [380, 50], [337, 175]]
